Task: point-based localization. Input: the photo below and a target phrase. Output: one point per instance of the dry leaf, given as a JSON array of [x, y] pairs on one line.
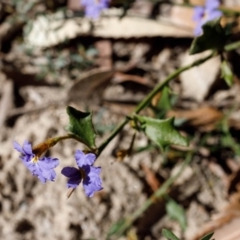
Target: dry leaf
[[234, 181], [121, 77], [74, 5], [196, 82], [204, 117], [234, 123], [141, 7], [197, 2], [225, 225], [218, 171], [120, 108], [90, 83], [182, 16], [156, 98], [50, 30], [6, 102], [130, 89], [150, 178], [232, 164]]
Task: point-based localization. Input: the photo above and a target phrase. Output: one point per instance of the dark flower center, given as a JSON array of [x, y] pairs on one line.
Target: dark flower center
[[82, 173]]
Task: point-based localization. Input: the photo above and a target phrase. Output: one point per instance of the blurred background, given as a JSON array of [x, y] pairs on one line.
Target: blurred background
[[53, 56]]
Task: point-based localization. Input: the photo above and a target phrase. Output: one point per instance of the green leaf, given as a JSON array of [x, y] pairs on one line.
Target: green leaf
[[169, 235], [213, 37], [80, 125], [161, 131], [176, 212], [227, 74], [208, 236]]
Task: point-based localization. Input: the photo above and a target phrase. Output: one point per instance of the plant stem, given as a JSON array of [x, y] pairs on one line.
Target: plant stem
[[161, 85], [158, 88], [64, 137], [158, 194], [232, 46], [148, 98]]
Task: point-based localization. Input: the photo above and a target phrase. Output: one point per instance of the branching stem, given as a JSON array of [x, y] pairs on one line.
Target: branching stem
[[148, 98]]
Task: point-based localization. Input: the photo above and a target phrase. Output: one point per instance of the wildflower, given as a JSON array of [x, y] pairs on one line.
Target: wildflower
[[205, 14], [86, 172], [43, 168], [93, 8]]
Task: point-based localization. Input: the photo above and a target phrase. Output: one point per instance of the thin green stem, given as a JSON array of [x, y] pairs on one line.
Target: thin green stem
[[158, 88], [55, 140], [148, 98], [161, 85], [64, 137], [41, 148], [232, 46], [156, 196], [60, 138], [229, 12], [112, 135]]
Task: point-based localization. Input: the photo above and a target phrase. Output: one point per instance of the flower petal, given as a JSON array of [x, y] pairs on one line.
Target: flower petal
[[18, 147], [41, 178], [83, 159], [27, 147], [90, 189], [48, 162], [90, 159], [73, 182], [93, 8], [42, 168], [79, 155], [32, 167], [74, 176], [214, 14], [36, 171], [198, 13], [92, 183], [198, 29], [70, 172], [49, 175], [212, 4], [26, 151]]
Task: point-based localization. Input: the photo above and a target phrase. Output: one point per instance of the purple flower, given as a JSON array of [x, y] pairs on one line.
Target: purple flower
[[86, 172], [93, 8], [205, 14], [43, 168]]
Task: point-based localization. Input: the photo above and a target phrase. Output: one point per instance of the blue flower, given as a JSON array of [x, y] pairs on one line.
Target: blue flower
[[43, 168], [93, 8], [86, 172], [206, 13]]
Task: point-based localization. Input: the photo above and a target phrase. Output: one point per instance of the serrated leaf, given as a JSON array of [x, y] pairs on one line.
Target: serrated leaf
[[80, 125], [169, 235], [161, 132], [226, 73], [176, 212], [213, 37], [208, 236]]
